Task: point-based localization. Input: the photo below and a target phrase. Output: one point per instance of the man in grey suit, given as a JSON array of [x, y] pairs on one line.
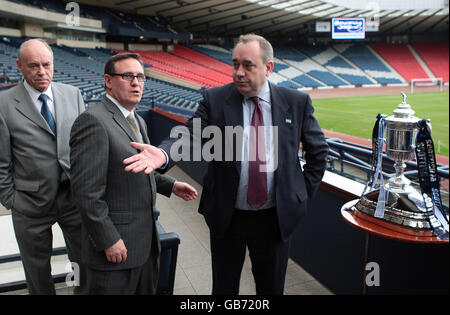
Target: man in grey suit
[[120, 243], [35, 121]]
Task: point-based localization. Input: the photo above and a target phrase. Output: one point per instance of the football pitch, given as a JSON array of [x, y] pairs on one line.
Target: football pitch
[[356, 116]]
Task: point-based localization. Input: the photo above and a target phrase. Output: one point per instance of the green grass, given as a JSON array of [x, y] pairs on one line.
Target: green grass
[[356, 115]]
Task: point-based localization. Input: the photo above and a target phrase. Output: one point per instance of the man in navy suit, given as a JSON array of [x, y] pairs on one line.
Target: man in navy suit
[[255, 199]]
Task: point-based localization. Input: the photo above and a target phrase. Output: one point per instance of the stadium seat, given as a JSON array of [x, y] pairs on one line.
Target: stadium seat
[[401, 59], [362, 56], [183, 68], [435, 55]]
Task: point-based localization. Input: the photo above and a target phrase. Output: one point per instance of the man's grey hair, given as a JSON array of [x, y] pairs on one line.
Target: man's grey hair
[[264, 44], [27, 42]]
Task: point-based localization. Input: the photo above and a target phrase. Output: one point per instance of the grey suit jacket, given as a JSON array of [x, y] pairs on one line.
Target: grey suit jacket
[[33, 161], [113, 203]]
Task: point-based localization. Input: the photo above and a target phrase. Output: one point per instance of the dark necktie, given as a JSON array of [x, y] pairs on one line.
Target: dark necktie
[[257, 178], [46, 113]]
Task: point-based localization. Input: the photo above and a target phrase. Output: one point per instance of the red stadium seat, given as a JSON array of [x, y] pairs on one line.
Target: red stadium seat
[[401, 59], [182, 67], [435, 55]]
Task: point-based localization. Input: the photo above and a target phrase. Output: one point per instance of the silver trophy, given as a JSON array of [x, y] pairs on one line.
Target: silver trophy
[[402, 203], [400, 135]]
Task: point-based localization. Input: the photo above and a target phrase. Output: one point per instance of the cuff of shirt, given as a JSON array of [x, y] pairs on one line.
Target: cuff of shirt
[[167, 160]]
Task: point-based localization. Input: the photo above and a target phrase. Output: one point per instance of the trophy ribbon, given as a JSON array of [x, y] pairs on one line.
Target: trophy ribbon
[[375, 147], [377, 158], [429, 182], [379, 212]]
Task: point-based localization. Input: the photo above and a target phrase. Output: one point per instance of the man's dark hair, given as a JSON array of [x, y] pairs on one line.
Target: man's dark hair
[[110, 64]]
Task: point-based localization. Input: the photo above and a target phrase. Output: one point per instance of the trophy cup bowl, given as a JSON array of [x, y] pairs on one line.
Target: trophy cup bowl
[[400, 132]]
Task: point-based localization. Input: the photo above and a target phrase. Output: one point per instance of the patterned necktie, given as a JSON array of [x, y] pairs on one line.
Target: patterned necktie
[[135, 128], [257, 178], [46, 113]]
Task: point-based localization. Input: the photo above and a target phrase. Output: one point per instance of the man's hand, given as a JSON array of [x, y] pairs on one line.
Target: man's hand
[[184, 191], [116, 253], [148, 160]]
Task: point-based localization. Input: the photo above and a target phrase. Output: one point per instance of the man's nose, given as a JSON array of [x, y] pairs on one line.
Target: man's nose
[[41, 70], [240, 71], [135, 81]]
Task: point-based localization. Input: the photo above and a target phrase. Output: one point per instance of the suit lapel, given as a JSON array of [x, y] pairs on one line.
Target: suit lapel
[[119, 118], [143, 127], [234, 117], [233, 110], [280, 109], [281, 118], [151, 176], [58, 101], [24, 104]]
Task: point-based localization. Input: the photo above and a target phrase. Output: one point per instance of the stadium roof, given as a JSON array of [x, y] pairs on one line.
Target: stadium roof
[[286, 18]]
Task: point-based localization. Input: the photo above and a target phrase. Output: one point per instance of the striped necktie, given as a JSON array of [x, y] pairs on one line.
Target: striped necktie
[[46, 113]]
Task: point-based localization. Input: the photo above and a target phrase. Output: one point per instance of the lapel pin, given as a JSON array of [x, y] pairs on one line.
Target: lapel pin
[[288, 121]]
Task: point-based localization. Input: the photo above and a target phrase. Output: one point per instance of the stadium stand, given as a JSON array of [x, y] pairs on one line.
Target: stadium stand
[[8, 56], [202, 59], [400, 57], [436, 58], [183, 68], [213, 51], [115, 22], [84, 67], [320, 56], [361, 56], [224, 55]]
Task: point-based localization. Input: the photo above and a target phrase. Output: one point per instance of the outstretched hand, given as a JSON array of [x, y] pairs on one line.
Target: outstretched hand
[[150, 159], [184, 191]]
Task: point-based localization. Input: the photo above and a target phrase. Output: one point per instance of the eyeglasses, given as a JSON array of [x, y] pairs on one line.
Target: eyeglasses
[[127, 76]]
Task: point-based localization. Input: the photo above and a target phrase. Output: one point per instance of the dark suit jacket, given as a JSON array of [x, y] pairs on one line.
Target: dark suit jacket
[[33, 161], [113, 203], [222, 106]]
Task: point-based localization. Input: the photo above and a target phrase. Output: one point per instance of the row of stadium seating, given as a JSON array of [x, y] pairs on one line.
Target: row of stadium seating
[[436, 57], [406, 59], [84, 68], [208, 65], [340, 65], [355, 64], [178, 64]]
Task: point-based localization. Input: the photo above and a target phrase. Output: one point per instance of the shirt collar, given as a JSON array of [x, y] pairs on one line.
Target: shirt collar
[[264, 94], [34, 94], [123, 110]]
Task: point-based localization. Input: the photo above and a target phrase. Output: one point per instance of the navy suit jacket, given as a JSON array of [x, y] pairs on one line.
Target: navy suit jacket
[[292, 113]]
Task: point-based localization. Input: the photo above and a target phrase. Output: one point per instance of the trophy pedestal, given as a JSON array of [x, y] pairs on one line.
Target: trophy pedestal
[[399, 184]]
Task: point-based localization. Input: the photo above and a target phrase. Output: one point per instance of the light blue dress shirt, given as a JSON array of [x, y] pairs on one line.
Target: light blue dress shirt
[[248, 108]]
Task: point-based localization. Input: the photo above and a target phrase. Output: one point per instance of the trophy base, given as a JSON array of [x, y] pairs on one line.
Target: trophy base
[[400, 210]]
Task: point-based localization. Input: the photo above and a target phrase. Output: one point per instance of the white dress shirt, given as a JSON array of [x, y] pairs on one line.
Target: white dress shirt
[[34, 94], [122, 109], [125, 113]]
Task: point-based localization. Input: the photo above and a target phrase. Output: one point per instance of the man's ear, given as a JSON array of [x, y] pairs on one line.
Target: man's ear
[[19, 65], [269, 67], [107, 79]]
